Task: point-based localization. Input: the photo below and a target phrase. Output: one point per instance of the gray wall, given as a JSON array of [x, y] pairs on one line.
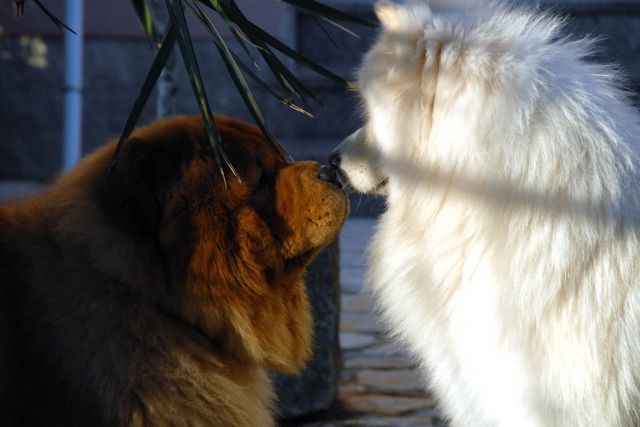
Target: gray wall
[[115, 65]]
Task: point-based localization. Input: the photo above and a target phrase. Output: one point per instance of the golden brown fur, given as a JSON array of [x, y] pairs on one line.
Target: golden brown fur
[[152, 294]]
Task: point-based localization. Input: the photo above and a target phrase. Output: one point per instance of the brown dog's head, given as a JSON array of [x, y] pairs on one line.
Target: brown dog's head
[[232, 256]]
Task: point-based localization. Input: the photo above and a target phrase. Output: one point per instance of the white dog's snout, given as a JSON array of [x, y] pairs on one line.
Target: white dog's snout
[[359, 163]]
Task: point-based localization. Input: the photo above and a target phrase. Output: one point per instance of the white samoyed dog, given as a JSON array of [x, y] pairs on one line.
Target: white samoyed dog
[[508, 260]]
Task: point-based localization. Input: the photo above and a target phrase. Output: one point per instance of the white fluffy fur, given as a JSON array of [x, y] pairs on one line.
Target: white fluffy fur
[[508, 260]]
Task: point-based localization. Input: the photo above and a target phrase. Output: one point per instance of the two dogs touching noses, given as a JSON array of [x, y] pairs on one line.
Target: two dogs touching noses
[[506, 261]]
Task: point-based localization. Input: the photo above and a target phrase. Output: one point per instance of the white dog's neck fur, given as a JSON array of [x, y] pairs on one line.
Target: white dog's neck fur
[[507, 260]]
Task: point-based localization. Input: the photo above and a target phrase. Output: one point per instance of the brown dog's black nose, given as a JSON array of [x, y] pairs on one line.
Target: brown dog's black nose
[[330, 174], [334, 159]]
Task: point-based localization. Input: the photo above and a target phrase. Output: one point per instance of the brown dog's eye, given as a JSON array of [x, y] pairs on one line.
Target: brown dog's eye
[[263, 201], [265, 184], [252, 176]]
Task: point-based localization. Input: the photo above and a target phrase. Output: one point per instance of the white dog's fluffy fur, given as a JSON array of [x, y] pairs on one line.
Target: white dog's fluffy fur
[[508, 260]]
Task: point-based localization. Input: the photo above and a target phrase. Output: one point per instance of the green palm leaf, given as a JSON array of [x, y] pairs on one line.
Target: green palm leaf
[[287, 80], [176, 13], [51, 16], [144, 16], [256, 33], [147, 87], [328, 12], [236, 74]]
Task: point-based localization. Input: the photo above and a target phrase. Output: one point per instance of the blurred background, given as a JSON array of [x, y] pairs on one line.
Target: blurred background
[[357, 378], [117, 57]]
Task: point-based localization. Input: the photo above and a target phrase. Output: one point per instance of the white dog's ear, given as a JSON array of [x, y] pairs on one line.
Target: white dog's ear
[[387, 14]]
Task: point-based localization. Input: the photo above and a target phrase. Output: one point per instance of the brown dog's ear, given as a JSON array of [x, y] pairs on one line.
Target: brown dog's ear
[[139, 177]]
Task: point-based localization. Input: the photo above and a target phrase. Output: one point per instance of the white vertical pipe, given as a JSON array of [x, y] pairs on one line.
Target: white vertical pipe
[[73, 46]]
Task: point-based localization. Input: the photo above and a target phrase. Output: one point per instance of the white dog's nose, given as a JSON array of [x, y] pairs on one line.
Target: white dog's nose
[[334, 159], [330, 174]]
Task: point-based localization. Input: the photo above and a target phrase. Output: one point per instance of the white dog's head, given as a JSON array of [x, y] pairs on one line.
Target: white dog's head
[[389, 92], [427, 84]]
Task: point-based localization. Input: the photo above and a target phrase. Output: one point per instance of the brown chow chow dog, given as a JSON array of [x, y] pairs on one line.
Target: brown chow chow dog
[[155, 295]]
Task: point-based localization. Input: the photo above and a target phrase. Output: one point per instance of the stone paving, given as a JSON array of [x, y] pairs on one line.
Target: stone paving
[[379, 385]]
